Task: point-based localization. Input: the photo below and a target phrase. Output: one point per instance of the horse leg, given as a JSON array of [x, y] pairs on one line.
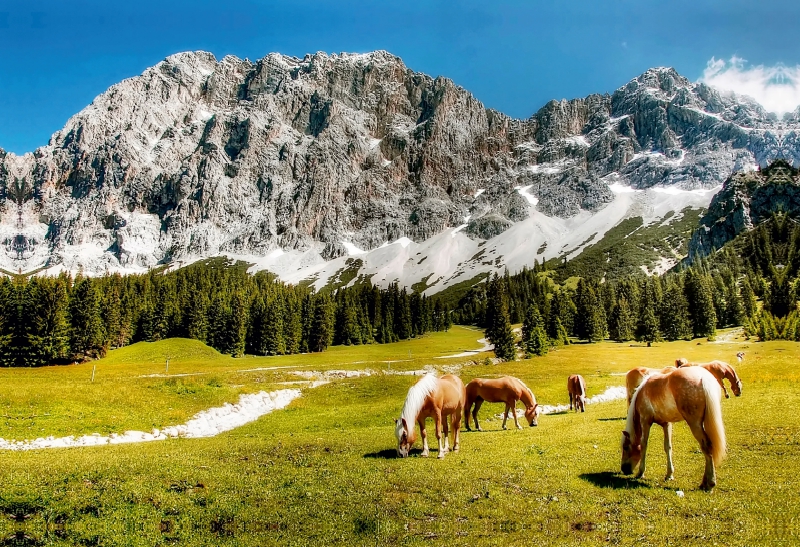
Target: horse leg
[[442, 450], [570, 401], [467, 408], [505, 417], [424, 434], [456, 427], [724, 390], [478, 404], [645, 437], [710, 474], [516, 419], [446, 433], [668, 449]]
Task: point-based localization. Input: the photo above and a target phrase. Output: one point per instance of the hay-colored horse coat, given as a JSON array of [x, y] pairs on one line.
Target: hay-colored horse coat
[[576, 386], [687, 394], [436, 398], [721, 371], [636, 375], [506, 390]]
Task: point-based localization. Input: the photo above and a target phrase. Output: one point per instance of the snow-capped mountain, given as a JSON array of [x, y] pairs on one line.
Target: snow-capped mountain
[[355, 163]]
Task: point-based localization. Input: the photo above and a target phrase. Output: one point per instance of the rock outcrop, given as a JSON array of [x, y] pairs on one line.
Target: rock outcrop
[[197, 157], [746, 200]]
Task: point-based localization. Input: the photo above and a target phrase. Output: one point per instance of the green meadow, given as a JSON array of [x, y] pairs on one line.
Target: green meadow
[[323, 470]]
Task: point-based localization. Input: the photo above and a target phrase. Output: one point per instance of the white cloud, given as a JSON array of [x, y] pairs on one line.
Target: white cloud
[[776, 88]]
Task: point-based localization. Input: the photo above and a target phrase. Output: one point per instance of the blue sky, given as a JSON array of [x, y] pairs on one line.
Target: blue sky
[[513, 55]]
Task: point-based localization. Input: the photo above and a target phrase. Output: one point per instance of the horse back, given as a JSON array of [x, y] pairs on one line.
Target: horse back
[[495, 390], [576, 385], [450, 394], [676, 396]]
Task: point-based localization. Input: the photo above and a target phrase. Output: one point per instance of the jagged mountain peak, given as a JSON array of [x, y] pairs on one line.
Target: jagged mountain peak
[[333, 156]]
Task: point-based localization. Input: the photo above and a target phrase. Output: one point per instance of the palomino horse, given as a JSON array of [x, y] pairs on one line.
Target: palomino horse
[[689, 394], [577, 392], [506, 390], [435, 398], [721, 370], [635, 376]]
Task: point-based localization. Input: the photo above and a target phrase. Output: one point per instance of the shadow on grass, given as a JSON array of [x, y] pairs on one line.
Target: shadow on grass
[[610, 479], [612, 419], [391, 453]]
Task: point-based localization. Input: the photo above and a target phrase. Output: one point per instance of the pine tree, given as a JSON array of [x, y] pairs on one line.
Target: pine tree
[[675, 324], [86, 336], [274, 342], [321, 333], [534, 337], [748, 298], [621, 324], [701, 304], [499, 332]]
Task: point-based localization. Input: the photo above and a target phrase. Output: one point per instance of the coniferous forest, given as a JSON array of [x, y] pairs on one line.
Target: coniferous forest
[[752, 282], [51, 320]]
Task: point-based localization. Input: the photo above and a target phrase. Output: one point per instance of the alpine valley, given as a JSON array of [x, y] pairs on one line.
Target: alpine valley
[[334, 168]]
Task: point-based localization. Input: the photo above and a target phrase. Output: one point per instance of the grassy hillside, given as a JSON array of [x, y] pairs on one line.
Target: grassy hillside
[[630, 245], [323, 471]]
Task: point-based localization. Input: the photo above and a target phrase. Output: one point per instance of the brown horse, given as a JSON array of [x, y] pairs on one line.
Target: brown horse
[[636, 375], [721, 370], [576, 387], [506, 390], [435, 398], [686, 394]]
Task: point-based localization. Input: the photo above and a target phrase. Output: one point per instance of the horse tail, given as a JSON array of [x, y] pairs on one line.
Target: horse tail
[[712, 421]]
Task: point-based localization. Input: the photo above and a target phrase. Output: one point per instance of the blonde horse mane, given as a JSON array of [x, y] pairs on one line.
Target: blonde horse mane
[[416, 398], [629, 425]]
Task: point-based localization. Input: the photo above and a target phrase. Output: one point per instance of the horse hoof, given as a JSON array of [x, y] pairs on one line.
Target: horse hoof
[[441, 455], [480, 429], [669, 478], [456, 448], [425, 454], [505, 428]]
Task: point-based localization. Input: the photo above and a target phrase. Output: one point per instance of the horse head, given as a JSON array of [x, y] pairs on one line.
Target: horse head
[[532, 415], [631, 454], [736, 387], [682, 362], [404, 440], [582, 402]]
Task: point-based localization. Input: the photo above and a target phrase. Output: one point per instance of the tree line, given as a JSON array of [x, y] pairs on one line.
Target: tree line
[[52, 320], [752, 282]]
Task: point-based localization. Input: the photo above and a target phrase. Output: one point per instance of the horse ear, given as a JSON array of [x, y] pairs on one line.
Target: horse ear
[[405, 425], [626, 434]]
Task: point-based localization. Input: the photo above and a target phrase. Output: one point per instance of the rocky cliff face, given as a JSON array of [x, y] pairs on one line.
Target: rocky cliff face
[[746, 200], [341, 153]]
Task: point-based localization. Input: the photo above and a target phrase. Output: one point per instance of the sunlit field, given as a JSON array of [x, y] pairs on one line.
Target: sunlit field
[[324, 469]]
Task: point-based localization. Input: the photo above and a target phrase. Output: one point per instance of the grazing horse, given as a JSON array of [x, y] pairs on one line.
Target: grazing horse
[[435, 398], [740, 356], [577, 392], [635, 376], [506, 390], [721, 370], [687, 394]]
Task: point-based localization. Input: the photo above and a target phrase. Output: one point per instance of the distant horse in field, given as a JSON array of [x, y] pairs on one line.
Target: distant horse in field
[[740, 356], [506, 390], [635, 376], [721, 370], [686, 394], [576, 387], [435, 398]]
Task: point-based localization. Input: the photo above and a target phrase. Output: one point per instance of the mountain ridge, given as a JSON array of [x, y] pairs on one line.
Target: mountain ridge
[[300, 163]]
